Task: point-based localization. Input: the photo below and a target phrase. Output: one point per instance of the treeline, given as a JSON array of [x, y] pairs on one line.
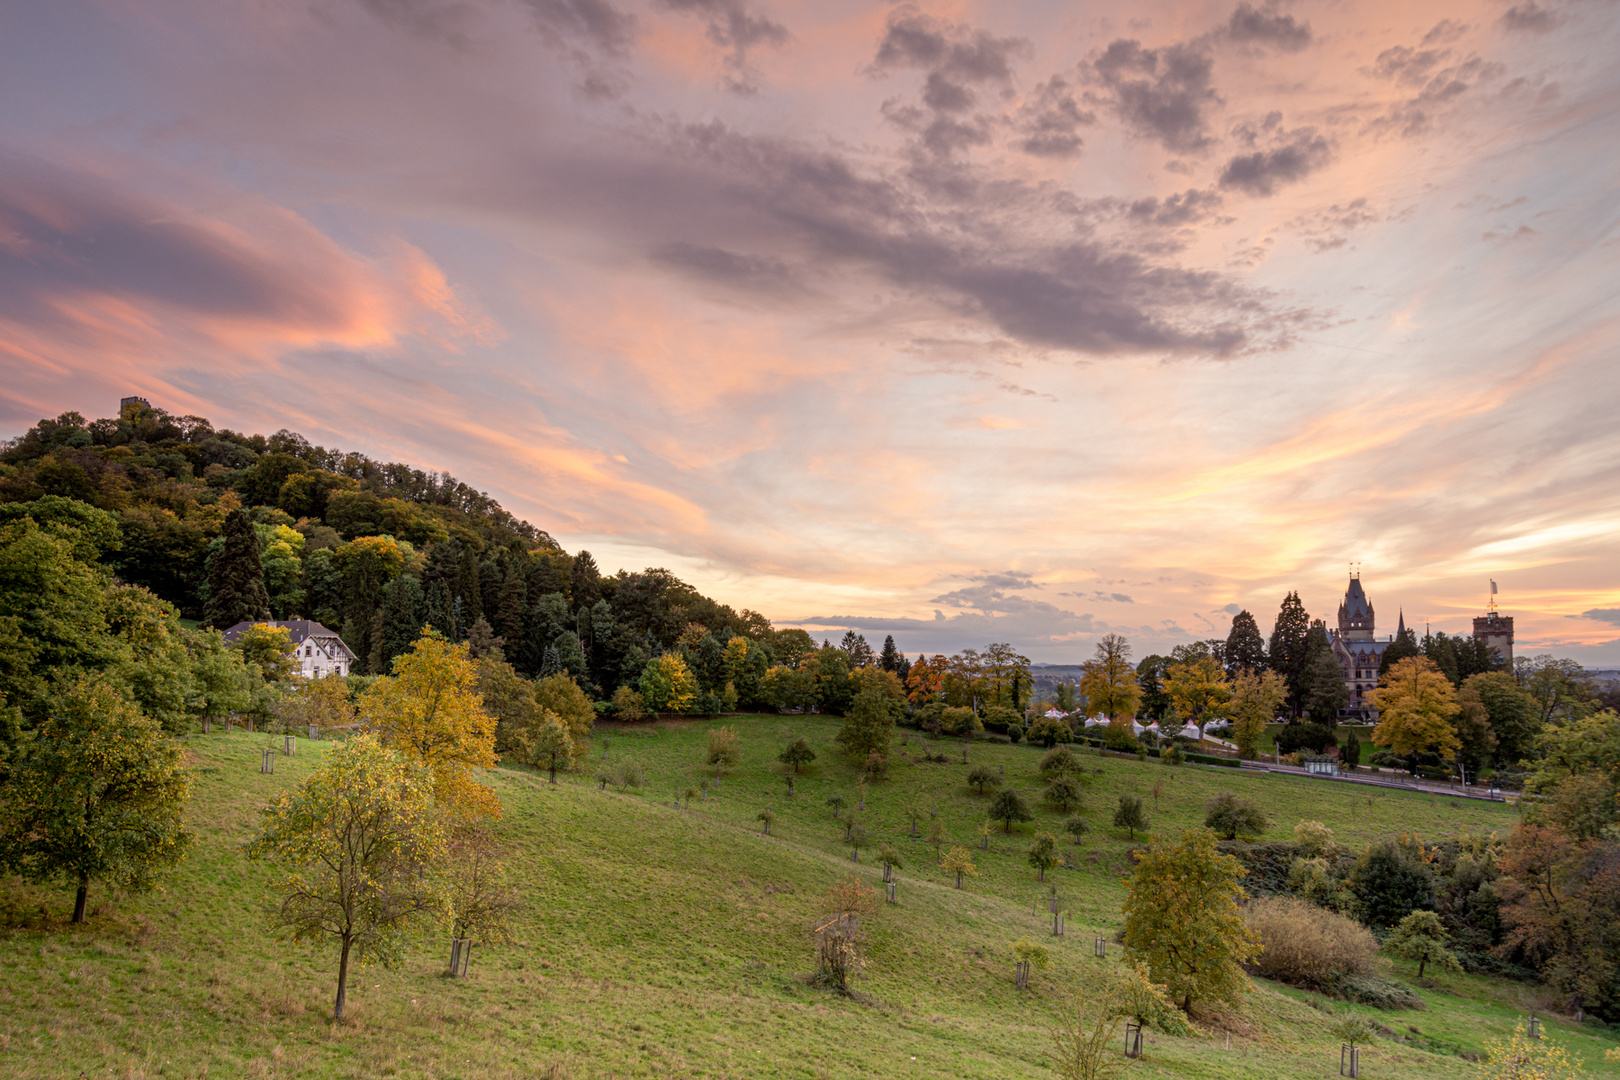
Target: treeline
[[229, 528]]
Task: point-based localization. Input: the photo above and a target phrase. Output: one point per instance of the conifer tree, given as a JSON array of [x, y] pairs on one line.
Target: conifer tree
[[1245, 648], [587, 582], [236, 591], [1289, 653], [399, 621], [890, 659]]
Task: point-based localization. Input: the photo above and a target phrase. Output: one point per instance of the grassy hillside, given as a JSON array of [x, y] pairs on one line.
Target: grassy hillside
[[672, 942]]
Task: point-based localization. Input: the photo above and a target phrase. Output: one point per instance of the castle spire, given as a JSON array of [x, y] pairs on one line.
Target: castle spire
[[1400, 626]]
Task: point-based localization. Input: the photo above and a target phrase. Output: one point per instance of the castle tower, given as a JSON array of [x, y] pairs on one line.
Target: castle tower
[[1355, 647], [1496, 630]]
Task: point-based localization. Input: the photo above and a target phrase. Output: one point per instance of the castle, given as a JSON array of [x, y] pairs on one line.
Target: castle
[[1356, 649], [1360, 653]]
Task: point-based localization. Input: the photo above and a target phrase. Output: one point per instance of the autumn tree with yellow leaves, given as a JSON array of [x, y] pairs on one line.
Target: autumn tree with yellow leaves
[[1416, 704], [1109, 682], [430, 711]]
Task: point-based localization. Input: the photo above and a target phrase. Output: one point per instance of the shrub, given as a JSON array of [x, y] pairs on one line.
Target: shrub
[[983, 777], [766, 817], [798, 754], [1231, 816], [1119, 737], [1314, 839], [1058, 761], [628, 773], [959, 721], [1048, 731], [1307, 946], [1313, 737], [1389, 883], [1172, 754], [876, 767], [1371, 990], [1130, 815], [1010, 808], [1076, 827], [1063, 792], [1000, 718], [1014, 732], [722, 748]]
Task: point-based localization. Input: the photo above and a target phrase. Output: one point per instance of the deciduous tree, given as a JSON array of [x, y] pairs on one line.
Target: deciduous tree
[[797, 754], [1009, 808], [96, 793], [1043, 853], [959, 861], [1422, 937], [1256, 697], [1182, 917], [431, 712], [1109, 682], [1129, 815], [360, 840], [1199, 691], [1232, 817], [1416, 704]]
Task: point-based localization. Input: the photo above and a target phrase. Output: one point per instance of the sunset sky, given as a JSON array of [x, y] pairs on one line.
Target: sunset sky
[[962, 322]]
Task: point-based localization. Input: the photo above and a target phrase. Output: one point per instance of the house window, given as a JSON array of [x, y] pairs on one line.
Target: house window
[[307, 651]]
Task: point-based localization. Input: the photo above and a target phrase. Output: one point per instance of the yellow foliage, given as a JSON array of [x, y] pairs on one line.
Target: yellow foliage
[[1524, 1058], [430, 710], [1415, 703]]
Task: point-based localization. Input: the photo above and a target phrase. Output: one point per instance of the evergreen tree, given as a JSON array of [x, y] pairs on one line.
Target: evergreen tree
[[1404, 645], [468, 602], [890, 659], [491, 582], [399, 622], [1327, 693], [512, 606], [236, 591], [1150, 675], [587, 582], [482, 642], [439, 586], [1289, 653], [1245, 648], [551, 663], [1442, 650]]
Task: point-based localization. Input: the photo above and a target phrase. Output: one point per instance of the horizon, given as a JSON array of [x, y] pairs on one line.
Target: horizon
[[961, 323]]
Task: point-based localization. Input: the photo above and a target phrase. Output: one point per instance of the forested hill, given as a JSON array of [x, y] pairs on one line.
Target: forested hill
[[373, 549]]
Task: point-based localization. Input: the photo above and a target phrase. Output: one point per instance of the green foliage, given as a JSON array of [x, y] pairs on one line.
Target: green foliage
[[1010, 809], [1076, 828], [95, 794], [359, 839], [1183, 920], [236, 592], [1314, 838], [868, 725], [983, 777], [1048, 731], [797, 754], [1326, 692], [1353, 1028], [1043, 853], [1032, 953], [889, 855], [765, 817], [667, 684], [1232, 817], [1289, 654], [1389, 882], [1059, 761], [1063, 792], [1422, 937], [1129, 815]]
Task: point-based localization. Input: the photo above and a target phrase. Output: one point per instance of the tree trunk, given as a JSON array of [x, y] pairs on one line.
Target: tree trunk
[[79, 899], [1423, 962], [959, 879], [343, 979], [1042, 869], [554, 771]]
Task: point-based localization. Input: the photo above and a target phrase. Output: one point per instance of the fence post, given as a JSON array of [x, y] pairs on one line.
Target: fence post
[[1057, 924], [314, 732], [455, 955], [1350, 1061], [1022, 977], [1133, 1040], [1535, 1027], [267, 761], [287, 745], [892, 900], [1100, 948]]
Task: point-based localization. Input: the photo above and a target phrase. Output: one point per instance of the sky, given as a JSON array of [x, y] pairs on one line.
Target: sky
[[962, 322]]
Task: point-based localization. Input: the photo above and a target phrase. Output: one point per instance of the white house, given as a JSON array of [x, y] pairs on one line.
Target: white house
[[319, 651]]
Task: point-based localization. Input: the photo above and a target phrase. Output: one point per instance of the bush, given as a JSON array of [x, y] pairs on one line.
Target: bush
[[1048, 731], [628, 773], [1014, 732], [1307, 946], [1119, 737], [1231, 816], [1371, 990], [1000, 718], [959, 721], [1314, 838], [1316, 738], [1390, 884], [1172, 754], [1059, 761]]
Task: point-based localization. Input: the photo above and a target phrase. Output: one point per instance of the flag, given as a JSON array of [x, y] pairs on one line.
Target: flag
[[1493, 588]]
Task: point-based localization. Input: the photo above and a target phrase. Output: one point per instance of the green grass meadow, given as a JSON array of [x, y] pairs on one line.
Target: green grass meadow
[[665, 942]]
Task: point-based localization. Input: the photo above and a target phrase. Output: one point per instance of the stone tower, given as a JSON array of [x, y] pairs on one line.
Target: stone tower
[[1496, 630]]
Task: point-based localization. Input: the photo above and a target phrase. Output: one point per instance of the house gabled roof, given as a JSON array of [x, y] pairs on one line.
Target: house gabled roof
[[299, 631]]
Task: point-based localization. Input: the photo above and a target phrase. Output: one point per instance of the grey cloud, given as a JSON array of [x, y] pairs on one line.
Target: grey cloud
[[1530, 18], [733, 27], [1325, 230], [1160, 93], [1231, 609], [1444, 31], [1408, 65], [1076, 294], [1049, 122], [67, 235], [1416, 115], [1608, 615], [745, 272], [594, 21], [1186, 208], [956, 59], [1261, 173], [1267, 27]]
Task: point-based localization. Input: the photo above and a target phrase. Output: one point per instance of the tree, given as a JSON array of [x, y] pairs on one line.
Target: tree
[[959, 860], [837, 802], [889, 857], [1059, 761], [563, 696], [629, 704], [1513, 714], [1526, 1058], [587, 582], [1560, 904], [1043, 853], [1150, 674], [1129, 815], [838, 937], [1415, 704], [868, 726], [798, 754], [1326, 693], [1404, 645], [236, 592], [983, 777], [545, 743], [1083, 1055], [1558, 686], [1422, 937], [722, 748], [1231, 817], [926, 680], [890, 659], [667, 684], [1245, 648], [1109, 682], [269, 648], [1182, 918], [1289, 652], [1390, 881], [1077, 828], [1475, 739], [1256, 697], [1351, 754], [480, 900], [360, 839], [431, 712], [319, 703], [96, 793], [1199, 691], [765, 817], [1009, 807], [1064, 791], [1048, 731]]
